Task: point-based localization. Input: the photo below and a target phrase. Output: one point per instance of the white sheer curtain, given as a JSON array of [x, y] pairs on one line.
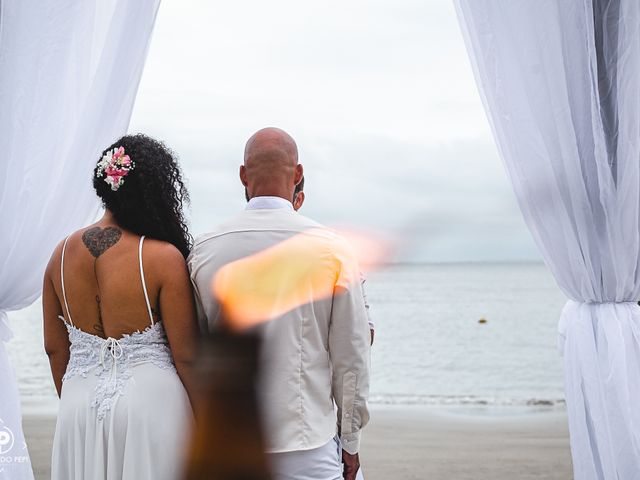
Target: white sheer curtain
[[69, 72], [560, 82]]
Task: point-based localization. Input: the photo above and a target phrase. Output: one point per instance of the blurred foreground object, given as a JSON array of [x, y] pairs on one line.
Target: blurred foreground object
[[228, 441]]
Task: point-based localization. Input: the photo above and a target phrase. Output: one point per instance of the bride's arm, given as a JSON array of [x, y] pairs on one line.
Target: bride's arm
[[178, 314], [56, 338]]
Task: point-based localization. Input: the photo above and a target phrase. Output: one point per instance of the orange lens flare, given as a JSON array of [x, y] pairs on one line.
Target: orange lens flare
[[305, 268], [370, 248], [274, 281]]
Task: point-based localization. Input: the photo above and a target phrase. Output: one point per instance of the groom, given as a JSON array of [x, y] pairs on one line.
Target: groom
[[315, 356]]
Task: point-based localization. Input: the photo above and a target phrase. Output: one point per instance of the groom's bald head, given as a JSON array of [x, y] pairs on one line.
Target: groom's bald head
[[271, 144], [271, 164]]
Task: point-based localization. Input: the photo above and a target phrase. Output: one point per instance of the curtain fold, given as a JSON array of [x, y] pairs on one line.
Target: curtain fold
[[69, 73], [560, 82]]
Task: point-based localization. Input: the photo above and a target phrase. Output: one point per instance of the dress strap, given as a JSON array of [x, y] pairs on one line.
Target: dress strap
[[64, 292], [144, 284]]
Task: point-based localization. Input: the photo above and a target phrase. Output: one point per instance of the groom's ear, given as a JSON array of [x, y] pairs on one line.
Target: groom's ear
[[299, 173], [243, 175]]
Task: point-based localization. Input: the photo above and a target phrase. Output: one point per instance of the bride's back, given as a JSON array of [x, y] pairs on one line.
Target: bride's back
[[122, 396], [103, 283]]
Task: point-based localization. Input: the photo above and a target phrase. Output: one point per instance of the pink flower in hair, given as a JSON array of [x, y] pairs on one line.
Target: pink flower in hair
[[115, 165]]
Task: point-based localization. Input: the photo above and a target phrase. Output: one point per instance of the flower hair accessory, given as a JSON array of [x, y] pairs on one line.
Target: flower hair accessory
[[115, 165]]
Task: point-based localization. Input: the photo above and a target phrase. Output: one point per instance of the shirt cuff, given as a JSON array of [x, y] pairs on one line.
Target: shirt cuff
[[351, 442]]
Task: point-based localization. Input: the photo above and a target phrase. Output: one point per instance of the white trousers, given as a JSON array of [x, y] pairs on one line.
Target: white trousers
[[324, 463]]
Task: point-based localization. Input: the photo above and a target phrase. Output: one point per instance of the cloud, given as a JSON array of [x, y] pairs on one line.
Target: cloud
[[379, 96]]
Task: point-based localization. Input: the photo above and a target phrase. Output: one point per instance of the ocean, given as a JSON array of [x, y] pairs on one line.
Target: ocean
[[446, 334]]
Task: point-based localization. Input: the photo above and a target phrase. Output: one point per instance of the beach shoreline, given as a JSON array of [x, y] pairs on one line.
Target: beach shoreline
[[414, 442]]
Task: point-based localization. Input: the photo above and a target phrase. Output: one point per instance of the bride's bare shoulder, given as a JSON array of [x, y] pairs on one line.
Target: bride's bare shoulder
[[56, 255], [162, 254]]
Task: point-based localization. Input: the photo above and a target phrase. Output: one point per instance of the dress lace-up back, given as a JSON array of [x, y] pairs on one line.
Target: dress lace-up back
[[124, 394], [110, 360]]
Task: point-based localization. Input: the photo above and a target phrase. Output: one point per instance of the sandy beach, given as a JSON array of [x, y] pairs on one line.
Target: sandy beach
[[420, 443]]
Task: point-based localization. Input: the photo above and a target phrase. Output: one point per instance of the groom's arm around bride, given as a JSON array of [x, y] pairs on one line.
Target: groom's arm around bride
[[316, 344]]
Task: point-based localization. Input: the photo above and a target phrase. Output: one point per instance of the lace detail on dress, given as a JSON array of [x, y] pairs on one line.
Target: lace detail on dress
[[111, 360]]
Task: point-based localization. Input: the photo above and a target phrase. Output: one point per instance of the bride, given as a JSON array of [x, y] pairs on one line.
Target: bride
[[119, 323]]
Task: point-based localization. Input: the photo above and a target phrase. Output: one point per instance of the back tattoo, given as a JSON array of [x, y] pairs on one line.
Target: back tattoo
[[99, 240]]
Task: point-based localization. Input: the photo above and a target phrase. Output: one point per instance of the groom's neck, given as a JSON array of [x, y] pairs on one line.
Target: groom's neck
[[272, 191]]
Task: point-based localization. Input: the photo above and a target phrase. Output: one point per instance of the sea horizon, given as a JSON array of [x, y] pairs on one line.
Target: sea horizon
[[480, 335]]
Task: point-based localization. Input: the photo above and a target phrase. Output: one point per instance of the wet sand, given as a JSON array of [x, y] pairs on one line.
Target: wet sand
[[426, 443]]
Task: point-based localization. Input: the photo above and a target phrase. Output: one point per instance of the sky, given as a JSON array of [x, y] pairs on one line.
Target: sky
[[379, 96]]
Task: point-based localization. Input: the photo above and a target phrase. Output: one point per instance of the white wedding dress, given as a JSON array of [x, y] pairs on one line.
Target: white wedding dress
[[124, 413]]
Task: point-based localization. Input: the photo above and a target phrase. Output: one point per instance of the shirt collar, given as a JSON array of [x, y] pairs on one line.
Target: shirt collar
[[267, 202]]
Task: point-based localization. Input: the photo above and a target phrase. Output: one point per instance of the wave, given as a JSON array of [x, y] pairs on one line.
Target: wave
[[471, 400]]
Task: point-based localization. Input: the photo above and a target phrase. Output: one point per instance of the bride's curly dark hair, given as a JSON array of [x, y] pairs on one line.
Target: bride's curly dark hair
[[152, 197]]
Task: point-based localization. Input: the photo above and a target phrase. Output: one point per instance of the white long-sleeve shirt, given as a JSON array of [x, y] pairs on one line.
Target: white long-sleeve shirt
[[314, 355]]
